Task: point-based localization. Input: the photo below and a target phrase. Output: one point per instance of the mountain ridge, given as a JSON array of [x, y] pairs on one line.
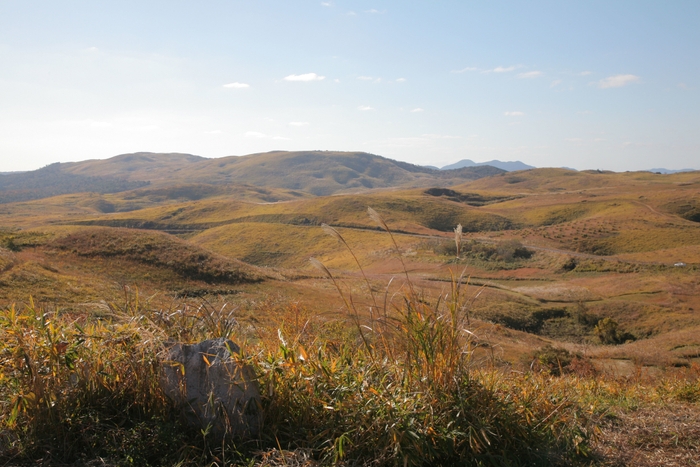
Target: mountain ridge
[[509, 166], [319, 173]]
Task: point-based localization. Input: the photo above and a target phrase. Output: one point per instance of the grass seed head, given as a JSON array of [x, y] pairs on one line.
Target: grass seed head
[[321, 267]]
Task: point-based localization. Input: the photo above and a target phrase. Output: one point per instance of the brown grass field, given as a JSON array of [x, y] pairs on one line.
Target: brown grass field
[[623, 246]]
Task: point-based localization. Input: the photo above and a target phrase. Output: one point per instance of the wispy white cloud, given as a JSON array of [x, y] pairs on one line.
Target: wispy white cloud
[[514, 113], [352, 13], [555, 83], [416, 110], [298, 123], [498, 69], [305, 77], [326, 4], [617, 81], [401, 80], [464, 70], [365, 107], [237, 85], [585, 73], [530, 74], [502, 69], [92, 49]]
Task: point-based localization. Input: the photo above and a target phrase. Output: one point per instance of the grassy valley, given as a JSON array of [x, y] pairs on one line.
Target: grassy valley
[[583, 283]]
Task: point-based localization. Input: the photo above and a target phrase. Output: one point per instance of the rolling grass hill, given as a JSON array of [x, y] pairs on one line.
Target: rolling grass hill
[[52, 180], [599, 212], [159, 250], [79, 266], [318, 173], [412, 212], [592, 248], [550, 180], [141, 166]]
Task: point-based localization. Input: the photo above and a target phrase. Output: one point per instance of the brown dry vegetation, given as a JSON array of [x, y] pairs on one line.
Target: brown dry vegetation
[[603, 245]]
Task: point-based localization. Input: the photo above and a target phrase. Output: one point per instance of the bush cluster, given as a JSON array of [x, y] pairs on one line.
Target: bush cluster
[[505, 250]]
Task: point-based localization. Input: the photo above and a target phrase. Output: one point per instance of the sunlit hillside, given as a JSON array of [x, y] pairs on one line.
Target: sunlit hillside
[[570, 277]]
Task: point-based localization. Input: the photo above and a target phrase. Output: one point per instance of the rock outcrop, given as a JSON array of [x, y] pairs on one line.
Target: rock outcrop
[[216, 391]]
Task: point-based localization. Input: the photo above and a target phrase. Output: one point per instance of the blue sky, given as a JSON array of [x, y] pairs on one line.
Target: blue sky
[[596, 84]]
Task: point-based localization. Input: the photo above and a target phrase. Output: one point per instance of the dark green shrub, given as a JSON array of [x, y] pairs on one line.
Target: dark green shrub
[[608, 331], [11, 245]]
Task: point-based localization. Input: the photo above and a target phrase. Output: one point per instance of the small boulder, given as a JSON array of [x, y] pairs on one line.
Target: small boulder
[[215, 390]]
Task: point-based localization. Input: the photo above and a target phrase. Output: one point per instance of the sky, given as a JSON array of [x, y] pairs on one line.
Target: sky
[[609, 85]]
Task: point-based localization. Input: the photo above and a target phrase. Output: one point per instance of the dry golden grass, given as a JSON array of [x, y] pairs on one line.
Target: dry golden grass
[[629, 217], [289, 246]]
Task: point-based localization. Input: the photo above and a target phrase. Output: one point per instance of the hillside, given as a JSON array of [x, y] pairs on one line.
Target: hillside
[[53, 180], [323, 173], [577, 278], [84, 268], [139, 166], [319, 173], [550, 180]]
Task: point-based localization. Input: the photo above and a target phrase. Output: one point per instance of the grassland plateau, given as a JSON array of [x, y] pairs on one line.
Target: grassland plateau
[[559, 324]]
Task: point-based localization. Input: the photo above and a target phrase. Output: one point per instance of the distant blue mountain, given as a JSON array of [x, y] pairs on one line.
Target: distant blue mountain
[[667, 171], [508, 166]]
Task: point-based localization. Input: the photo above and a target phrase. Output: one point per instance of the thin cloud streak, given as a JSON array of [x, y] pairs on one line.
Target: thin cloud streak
[[530, 75], [305, 77], [618, 81], [464, 70], [500, 69], [237, 85]]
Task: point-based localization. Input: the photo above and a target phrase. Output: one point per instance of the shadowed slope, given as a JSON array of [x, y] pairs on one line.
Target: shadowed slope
[[52, 180], [160, 250]]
